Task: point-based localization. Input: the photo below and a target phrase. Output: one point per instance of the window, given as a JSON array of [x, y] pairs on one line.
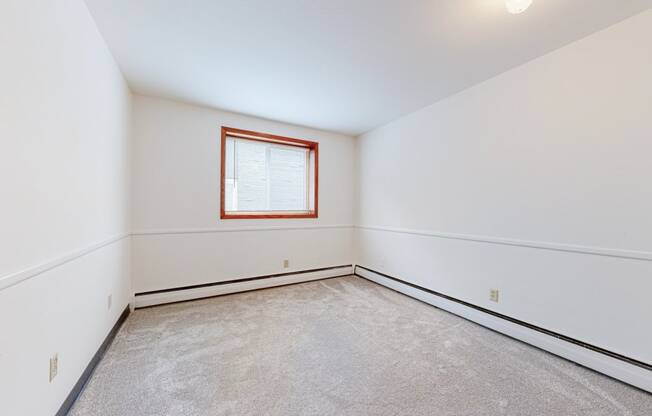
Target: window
[[267, 176]]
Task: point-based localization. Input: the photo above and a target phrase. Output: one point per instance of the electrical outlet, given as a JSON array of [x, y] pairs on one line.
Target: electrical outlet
[[110, 300], [286, 264], [494, 295], [54, 366]]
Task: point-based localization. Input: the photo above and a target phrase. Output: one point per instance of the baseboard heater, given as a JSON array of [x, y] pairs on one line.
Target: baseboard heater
[[618, 366], [207, 290]]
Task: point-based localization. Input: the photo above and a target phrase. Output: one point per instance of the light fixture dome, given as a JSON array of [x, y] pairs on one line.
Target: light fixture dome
[[517, 6]]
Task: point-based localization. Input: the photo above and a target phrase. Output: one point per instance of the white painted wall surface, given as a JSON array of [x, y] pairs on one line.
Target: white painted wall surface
[[553, 153], [180, 239], [64, 124]]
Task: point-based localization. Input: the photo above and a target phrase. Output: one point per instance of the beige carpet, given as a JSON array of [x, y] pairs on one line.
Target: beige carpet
[[342, 346]]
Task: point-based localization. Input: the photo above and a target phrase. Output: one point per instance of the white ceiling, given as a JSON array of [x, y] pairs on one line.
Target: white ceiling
[[339, 65]]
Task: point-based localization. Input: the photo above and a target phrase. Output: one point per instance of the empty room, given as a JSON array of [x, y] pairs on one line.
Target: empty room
[[326, 207]]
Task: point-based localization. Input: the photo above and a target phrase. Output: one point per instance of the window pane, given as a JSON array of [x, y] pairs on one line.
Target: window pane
[[265, 177], [229, 173], [287, 176], [251, 186]]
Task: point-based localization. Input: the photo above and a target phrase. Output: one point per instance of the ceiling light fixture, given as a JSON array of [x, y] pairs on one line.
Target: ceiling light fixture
[[517, 6]]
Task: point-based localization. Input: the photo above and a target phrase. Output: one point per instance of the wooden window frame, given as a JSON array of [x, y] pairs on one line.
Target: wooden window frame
[[267, 138]]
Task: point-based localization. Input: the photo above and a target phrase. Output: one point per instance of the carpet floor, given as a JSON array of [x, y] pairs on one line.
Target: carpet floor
[[342, 346]]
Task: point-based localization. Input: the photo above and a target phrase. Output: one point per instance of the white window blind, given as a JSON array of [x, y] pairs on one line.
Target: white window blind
[[265, 177]]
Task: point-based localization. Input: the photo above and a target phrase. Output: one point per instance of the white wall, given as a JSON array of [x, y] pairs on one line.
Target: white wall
[[553, 155], [179, 238], [535, 182], [64, 123]]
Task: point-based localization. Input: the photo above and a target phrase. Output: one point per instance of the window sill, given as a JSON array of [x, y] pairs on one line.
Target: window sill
[[234, 215]]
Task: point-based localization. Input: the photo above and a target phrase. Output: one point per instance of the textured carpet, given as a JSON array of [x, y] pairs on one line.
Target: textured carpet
[[342, 346]]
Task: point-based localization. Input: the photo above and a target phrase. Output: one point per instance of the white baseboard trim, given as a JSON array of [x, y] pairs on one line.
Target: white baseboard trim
[[618, 369], [225, 288]]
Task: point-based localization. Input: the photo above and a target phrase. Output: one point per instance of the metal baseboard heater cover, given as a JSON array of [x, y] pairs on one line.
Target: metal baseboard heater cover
[[618, 366], [207, 290]]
